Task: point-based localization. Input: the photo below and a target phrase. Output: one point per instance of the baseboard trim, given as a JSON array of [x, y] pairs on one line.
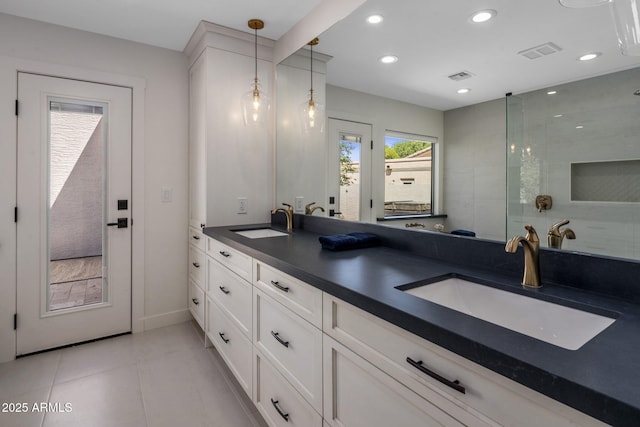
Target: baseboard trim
[[166, 319]]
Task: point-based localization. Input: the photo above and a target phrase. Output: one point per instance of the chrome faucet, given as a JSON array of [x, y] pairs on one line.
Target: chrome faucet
[[531, 247], [555, 236], [288, 213], [308, 210]]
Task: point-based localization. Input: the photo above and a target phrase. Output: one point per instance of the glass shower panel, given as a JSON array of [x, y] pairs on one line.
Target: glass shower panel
[[76, 143], [580, 144]]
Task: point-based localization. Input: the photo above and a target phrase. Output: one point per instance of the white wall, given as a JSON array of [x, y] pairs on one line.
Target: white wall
[[475, 169], [160, 271], [387, 114]]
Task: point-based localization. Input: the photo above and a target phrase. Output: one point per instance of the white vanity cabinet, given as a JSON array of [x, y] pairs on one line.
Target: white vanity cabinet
[[468, 392], [196, 284]]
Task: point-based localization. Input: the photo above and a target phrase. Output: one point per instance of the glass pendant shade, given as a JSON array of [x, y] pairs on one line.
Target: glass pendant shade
[[312, 115], [626, 16], [255, 102], [255, 105]]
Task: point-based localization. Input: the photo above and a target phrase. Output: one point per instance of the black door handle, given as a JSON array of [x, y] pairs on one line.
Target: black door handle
[[121, 223]]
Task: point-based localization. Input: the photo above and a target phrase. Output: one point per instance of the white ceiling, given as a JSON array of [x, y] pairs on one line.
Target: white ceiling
[[433, 39]]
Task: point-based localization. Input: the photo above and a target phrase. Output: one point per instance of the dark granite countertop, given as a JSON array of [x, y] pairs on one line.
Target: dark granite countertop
[[602, 378]]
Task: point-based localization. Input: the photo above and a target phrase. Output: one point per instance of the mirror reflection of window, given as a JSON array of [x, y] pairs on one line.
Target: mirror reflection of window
[[408, 163]]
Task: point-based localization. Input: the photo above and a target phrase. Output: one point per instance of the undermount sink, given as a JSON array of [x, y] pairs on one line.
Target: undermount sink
[[260, 233], [566, 327]]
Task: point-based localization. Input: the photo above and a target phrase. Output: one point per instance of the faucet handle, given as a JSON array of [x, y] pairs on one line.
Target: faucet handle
[[555, 228]]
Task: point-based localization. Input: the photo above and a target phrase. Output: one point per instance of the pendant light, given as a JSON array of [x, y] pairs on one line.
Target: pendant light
[[311, 111], [255, 103]]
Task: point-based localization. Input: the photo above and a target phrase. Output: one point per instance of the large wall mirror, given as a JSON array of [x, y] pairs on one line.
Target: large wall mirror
[[527, 48]]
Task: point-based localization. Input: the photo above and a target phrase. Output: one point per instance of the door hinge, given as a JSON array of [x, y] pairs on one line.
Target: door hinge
[[15, 214], [372, 144], [17, 107], [371, 203], [15, 321]]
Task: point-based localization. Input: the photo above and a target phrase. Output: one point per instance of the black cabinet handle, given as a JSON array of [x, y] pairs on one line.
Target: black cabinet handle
[[224, 290], [226, 340], [195, 301], [282, 414], [280, 340], [225, 254], [279, 286], [453, 384], [196, 237], [196, 265]]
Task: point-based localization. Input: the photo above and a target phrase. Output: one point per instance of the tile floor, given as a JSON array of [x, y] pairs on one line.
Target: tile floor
[[162, 377]]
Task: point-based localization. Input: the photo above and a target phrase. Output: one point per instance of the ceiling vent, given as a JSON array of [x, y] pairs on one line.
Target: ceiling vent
[[540, 51], [460, 76]]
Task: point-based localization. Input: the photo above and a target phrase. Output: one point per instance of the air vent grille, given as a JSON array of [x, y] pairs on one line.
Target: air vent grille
[[540, 51], [460, 76]]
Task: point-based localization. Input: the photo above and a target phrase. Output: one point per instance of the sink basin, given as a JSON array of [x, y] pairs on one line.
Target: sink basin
[[260, 233], [566, 327]]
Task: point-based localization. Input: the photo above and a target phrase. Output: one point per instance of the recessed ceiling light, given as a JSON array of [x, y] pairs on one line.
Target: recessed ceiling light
[[552, 92], [464, 90], [388, 59], [579, 127], [375, 19], [589, 56], [483, 16], [558, 116]]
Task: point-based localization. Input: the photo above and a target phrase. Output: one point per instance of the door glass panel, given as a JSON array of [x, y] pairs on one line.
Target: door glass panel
[[76, 142], [350, 179]]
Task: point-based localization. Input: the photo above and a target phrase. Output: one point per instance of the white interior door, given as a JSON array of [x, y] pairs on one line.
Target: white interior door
[[74, 204], [349, 170]]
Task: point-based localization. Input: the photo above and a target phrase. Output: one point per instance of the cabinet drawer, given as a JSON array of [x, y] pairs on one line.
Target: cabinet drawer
[[236, 261], [278, 402], [196, 266], [303, 299], [292, 344], [488, 396], [233, 346], [359, 394], [232, 294], [196, 302], [197, 239]]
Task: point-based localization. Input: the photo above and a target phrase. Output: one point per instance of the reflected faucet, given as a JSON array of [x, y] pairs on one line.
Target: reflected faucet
[[531, 247], [288, 213], [555, 236], [308, 210]]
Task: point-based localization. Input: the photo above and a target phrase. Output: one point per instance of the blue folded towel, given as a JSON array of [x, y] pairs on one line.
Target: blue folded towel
[[341, 242], [462, 232]]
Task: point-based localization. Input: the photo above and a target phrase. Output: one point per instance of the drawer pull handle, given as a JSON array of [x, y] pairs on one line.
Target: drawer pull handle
[[226, 340], [453, 384], [282, 414], [280, 340], [279, 286], [196, 237], [195, 301], [224, 290], [196, 265], [225, 254]]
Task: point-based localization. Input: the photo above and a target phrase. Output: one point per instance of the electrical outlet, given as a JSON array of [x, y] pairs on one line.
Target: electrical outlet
[[298, 205], [243, 205]]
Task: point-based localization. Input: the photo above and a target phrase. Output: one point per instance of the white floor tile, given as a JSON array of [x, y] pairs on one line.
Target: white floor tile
[[28, 373], [106, 399], [162, 377]]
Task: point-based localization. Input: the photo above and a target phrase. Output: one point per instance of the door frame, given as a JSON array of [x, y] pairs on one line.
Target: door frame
[[9, 68]]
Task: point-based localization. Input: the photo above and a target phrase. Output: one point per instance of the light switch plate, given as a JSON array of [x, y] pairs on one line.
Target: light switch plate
[[299, 205], [166, 195]]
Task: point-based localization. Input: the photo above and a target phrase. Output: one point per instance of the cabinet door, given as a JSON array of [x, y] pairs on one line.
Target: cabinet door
[[356, 393], [233, 346], [278, 402], [232, 294], [292, 344], [196, 302]]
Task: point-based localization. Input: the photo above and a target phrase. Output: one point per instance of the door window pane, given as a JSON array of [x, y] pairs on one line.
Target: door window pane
[[350, 179], [76, 208]]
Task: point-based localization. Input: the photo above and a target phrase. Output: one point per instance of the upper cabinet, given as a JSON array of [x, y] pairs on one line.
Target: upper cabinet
[[230, 163]]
